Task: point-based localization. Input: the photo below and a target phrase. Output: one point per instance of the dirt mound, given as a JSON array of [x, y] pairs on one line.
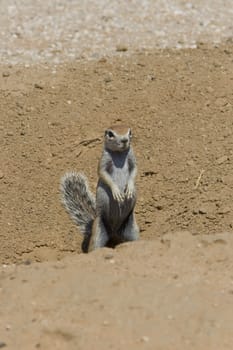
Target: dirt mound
[[171, 293]]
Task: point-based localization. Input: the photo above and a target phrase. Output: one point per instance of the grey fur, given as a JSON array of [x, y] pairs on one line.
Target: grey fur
[[110, 219], [114, 213], [116, 192], [78, 200]]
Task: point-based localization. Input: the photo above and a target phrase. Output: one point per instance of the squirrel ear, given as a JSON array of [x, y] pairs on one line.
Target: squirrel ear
[[130, 133]]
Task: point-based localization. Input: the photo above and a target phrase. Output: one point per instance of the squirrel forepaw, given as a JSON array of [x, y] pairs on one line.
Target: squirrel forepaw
[[117, 195], [129, 192]]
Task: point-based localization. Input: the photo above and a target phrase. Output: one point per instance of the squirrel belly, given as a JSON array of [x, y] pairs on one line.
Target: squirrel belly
[[112, 212]]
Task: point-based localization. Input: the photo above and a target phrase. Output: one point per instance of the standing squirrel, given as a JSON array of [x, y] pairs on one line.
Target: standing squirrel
[[108, 219]]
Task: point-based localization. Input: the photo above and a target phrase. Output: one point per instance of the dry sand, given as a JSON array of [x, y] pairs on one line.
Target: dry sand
[[174, 288]]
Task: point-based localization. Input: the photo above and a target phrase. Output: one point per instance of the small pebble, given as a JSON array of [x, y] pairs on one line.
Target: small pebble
[[103, 60], [159, 207], [224, 210], [10, 133], [108, 256], [210, 89], [202, 211], [27, 262], [145, 339], [38, 86], [107, 79], [221, 160], [221, 102], [121, 48], [5, 74], [151, 77], [2, 344]]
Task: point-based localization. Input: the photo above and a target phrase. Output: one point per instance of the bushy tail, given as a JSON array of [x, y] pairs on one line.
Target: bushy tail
[[78, 200]]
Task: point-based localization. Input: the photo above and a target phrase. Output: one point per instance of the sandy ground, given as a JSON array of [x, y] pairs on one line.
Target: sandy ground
[[173, 289], [179, 105], [169, 291]]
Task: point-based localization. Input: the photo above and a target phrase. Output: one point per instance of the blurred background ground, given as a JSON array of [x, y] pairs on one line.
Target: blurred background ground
[[39, 31]]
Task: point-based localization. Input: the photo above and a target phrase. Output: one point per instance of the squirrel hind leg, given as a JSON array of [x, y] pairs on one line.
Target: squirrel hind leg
[[130, 231], [86, 243], [99, 236]]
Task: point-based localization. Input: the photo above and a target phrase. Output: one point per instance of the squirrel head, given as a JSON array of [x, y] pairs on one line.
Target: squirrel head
[[117, 138]]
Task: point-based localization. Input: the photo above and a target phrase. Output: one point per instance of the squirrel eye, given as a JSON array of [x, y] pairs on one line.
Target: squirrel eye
[[110, 134]]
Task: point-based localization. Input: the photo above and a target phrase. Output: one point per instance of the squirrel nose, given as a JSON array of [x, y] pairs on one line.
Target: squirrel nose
[[124, 141]]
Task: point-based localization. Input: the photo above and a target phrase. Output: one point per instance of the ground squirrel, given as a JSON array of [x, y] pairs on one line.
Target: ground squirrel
[[108, 219]]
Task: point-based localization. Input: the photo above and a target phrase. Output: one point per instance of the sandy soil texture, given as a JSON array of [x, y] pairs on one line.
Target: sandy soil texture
[[169, 291], [179, 105], [168, 294], [68, 70]]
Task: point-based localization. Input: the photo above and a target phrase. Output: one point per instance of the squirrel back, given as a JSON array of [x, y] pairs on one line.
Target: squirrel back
[[78, 200]]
